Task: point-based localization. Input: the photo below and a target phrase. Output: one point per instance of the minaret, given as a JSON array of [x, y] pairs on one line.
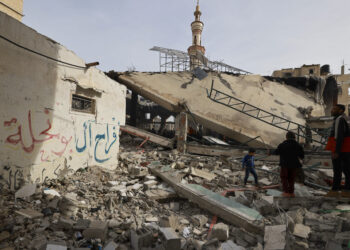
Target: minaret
[[197, 28]]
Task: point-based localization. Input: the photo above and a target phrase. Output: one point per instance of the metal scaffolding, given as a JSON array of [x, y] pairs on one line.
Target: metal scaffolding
[[177, 60], [310, 135]]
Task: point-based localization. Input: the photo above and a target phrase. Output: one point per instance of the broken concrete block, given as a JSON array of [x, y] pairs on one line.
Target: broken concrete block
[[275, 237], [170, 221], [265, 181], [96, 230], [302, 231], [264, 207], [82, 224], [300, 245], [230, 245], [65, 223], [148, 184], [331, 245], [112, 183], [151, 219], [56, 246], [203, 174], [175, 206], [220, 231], [212, 244], [171, 240], [199, 220], [29, 213], [140, 238], [38, 243], [137, 186], [26, 191], [111, 245], [51, 192], [138, 171], [4, 235]]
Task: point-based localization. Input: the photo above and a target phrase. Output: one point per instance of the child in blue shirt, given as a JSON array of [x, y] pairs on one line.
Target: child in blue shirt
[[248, 164]]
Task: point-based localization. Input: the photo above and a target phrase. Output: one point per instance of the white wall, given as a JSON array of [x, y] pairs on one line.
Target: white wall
[[40, 136]]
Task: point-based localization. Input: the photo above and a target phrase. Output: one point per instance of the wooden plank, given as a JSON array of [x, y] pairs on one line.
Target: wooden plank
[[234, 214], [157, 139]]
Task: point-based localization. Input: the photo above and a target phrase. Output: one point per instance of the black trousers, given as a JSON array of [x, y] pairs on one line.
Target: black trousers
[[341, 165]]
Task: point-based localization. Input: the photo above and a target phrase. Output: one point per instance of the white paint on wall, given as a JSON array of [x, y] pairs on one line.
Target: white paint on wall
[[40, 135]]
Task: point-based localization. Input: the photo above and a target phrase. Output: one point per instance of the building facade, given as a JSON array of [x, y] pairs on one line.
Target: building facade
[[305, 70], [57, 114], [13, 8]]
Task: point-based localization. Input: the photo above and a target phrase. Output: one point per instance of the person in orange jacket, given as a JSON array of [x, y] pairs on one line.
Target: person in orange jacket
[[339, 144]]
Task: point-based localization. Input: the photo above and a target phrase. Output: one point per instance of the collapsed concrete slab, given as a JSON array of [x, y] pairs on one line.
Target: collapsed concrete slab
[[174, 89], [227, 209]]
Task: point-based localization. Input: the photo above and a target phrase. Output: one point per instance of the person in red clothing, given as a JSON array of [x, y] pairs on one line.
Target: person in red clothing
[[339, 145], [290, 152]]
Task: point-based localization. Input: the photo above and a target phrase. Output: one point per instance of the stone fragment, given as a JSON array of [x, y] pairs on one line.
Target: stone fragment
[[199, 220], [65, 223], [140, 238], [96, 230], [112, 183], [302, 231], [170, 221], [230, 245], [111, 245], [151, 219], [82, 224], [56, 246], [300, 245], [171, 240], [331, 245], [212, 244], [148, 184], [137, 186], [138, 171], [275, 237], [26, 191], [220, 231], [29, 213], [51, 192], [38, 243], [150, 178], [4, 235], [264, 207], [175, 206]]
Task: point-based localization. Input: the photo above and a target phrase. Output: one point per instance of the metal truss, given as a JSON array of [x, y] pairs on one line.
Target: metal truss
[[177, 60], [172, 60], [309, 134]]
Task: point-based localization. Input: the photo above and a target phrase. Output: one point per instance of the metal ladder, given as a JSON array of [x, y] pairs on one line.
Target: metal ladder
[[310, 135]]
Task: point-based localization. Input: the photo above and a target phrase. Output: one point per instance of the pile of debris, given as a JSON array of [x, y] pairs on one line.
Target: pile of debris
[[160, 199]]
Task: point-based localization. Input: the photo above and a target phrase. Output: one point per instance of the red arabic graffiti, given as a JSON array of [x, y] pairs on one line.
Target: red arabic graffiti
[[43, 136]]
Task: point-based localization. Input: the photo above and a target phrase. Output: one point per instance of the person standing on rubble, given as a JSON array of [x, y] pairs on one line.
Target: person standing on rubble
[[248, 164], [290, 152], [339, 145]]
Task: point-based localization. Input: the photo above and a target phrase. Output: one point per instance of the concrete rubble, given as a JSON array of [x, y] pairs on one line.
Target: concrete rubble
[[132, 208]]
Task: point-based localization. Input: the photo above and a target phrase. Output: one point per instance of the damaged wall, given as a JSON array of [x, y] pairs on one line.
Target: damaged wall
[[170, 89], [13, 8], [41, 133]]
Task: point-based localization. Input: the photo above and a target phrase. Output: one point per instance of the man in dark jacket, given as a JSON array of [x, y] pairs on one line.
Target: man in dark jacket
[[339, 144], [290, 152]]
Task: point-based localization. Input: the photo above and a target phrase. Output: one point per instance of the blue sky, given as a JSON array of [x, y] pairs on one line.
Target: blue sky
[[256, 35]]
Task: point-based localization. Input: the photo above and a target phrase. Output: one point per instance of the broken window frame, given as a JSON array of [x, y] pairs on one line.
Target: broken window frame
[[88, 103]]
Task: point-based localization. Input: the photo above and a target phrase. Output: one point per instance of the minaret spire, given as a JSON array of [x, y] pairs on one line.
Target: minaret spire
[[197, 28]]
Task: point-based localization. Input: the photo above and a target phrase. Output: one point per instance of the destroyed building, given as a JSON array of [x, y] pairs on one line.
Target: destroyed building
[[75, 176], [56, 114]]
